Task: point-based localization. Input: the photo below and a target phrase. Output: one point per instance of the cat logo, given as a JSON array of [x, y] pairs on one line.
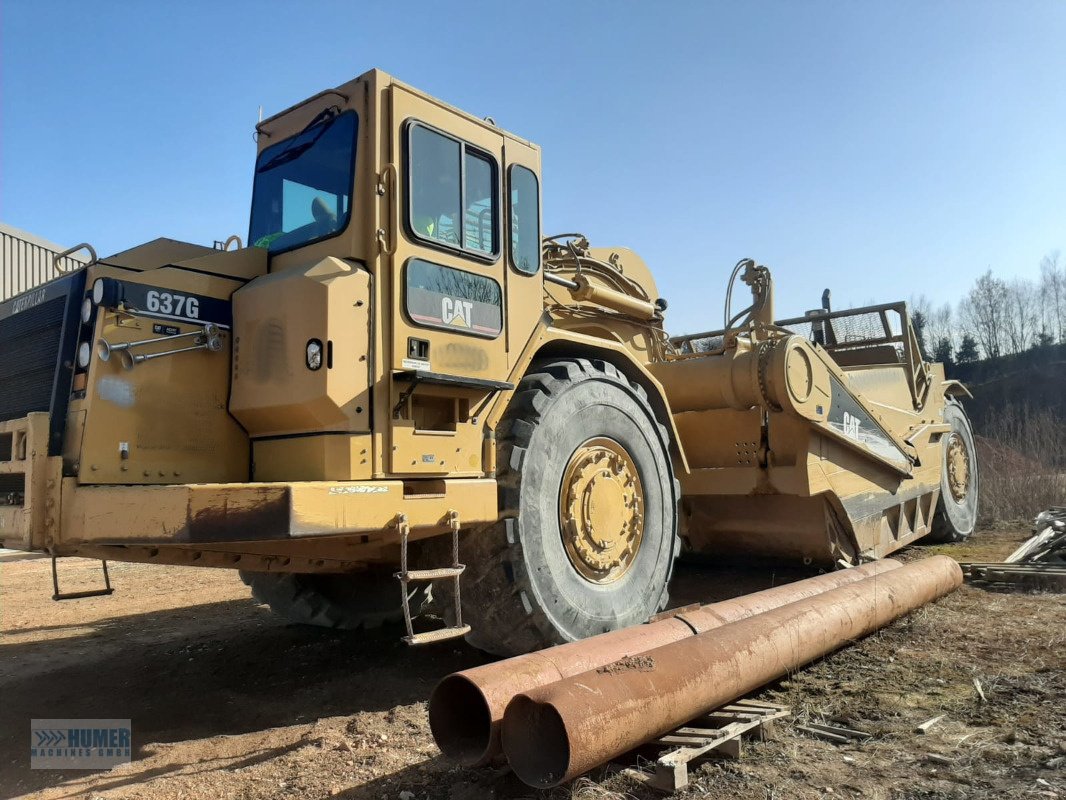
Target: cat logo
[[852, 426], [457, 312]]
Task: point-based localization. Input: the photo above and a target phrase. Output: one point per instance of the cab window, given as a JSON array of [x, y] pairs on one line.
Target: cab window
[[452, 190], [525, 220], [303, 185]]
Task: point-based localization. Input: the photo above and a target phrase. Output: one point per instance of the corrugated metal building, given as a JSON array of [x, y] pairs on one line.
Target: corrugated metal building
[[27, 261]]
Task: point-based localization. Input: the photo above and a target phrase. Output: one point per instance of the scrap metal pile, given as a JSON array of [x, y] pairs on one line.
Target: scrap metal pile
[[1040, 563], [559, 712], [1048, 545]]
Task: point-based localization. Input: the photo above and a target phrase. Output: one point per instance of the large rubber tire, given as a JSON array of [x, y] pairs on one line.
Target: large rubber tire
[[955, 519], [347, 602], [521, 592]]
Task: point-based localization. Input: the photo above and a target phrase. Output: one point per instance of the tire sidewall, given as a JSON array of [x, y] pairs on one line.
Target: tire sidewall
[[575, 607], [961, 517]]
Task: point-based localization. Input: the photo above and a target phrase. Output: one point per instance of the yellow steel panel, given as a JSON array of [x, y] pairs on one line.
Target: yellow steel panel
[[168, 415], [312, 458], [202, 513]]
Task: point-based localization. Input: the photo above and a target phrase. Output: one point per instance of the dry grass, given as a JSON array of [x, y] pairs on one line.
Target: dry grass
[[586, 789], [1021, 461]]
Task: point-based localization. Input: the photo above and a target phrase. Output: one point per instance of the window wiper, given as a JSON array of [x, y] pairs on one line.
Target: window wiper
[[285, 156], [296, 150]]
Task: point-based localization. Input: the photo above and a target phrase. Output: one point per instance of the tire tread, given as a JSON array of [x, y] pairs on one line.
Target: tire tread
[[294, 597], [507, 620]]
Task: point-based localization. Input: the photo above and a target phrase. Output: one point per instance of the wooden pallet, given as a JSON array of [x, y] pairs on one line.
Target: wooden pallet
[[716, 734]]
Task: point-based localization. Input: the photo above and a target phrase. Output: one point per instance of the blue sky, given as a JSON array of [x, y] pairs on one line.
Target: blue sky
[[882, 149]]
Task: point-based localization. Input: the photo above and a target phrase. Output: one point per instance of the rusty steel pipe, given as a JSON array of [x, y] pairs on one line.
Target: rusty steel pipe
[[557, 732], [466, 708]]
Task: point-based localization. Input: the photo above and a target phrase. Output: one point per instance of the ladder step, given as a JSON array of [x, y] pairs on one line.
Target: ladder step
[[437, 636], [58, 595], [431, 574]]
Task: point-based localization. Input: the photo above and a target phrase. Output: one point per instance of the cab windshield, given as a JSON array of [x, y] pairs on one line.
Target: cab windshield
[[302, 190]]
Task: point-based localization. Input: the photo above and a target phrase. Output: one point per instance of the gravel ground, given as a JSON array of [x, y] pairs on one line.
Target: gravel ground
[[227, 701]]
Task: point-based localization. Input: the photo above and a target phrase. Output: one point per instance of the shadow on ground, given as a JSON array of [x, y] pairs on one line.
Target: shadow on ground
[[204, 670], [231, 667]]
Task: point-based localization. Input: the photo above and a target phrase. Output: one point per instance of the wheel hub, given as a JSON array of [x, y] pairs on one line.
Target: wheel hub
[[958, 460], [601, 510]]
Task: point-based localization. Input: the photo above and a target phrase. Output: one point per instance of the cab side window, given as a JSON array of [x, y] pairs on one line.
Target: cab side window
[[452, 191], [525, 220], [479, 205]]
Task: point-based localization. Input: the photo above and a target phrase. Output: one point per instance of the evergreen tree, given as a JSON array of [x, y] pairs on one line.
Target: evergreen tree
[[942, 351], [967, 351], [918, 323]]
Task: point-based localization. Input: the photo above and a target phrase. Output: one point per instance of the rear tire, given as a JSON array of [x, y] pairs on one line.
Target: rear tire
[[347, 601], [576, 557], [956, 514]]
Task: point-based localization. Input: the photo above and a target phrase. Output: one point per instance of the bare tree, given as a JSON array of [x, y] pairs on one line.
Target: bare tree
[[941, 326], [1021, 317], [1053, 297], [921, 309], [939, 323], [999, 317], [983, 311]]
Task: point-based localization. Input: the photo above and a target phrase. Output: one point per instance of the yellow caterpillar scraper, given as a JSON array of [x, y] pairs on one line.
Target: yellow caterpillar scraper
[[400, 376]]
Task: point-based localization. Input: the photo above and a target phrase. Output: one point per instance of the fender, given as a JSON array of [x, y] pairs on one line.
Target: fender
[[548, 340], [953, 388]]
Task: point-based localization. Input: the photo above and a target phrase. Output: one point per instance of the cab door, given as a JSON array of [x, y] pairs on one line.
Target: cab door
[[448, 343]]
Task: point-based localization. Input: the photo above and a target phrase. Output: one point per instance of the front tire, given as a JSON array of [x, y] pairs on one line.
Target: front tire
[[956, 514], [590, 503]]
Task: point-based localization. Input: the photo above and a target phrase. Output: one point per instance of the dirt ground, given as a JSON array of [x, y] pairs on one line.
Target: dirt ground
[[227, 701]]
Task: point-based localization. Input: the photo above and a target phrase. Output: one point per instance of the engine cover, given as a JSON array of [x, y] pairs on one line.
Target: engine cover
[[301, 367]]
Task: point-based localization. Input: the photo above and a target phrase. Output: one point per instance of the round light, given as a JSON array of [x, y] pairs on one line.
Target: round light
[[85, 354], [86, 310], [314, 354], [98, 291]]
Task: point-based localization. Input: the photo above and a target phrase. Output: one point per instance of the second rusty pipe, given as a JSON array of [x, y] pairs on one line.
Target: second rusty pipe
[[466, 708], [555, 733]]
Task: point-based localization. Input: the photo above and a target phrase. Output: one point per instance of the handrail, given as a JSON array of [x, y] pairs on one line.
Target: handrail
[[83, 246], [846, 312]]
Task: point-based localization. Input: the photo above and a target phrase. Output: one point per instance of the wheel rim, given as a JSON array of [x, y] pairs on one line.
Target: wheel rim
[[958, 460], [601, 510]]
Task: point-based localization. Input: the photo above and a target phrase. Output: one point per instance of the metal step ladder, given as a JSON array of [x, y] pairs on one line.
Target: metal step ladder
[[58, 595], [407, 576]]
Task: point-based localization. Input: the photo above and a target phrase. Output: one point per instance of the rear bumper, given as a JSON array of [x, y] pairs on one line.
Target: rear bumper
[[266, 512], [41, 510]]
